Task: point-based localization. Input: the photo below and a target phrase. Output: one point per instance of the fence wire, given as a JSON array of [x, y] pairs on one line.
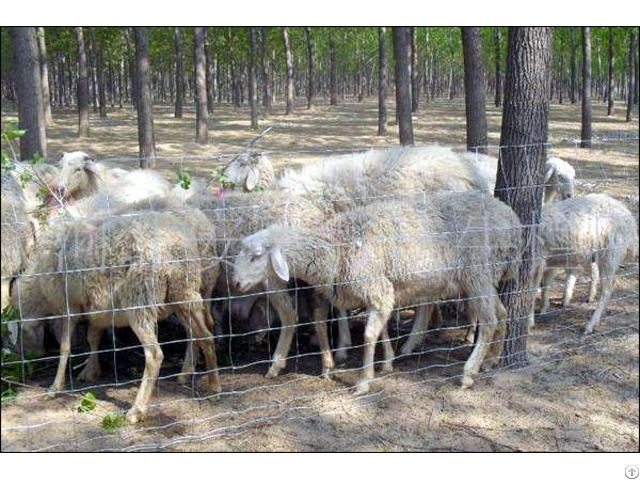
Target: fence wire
[[125, 266]]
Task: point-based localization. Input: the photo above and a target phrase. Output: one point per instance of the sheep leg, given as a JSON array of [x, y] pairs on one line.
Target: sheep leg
[[569, 287], [607, 289], [289, 320], [344, 337], [480, 308], [418, 329], [376, 322], [387, 365], [320, 312], [91, 371], [68, 326], [547, 280], [144, 328], [5, 292], [539, 272], [207, 346], [498, 339], [191, 356], [595, 279]]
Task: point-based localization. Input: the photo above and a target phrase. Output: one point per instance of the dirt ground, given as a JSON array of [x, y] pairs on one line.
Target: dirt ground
[[578, 394]]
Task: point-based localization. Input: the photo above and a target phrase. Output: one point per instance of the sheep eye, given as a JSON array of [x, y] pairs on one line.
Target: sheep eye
[[255, 256]]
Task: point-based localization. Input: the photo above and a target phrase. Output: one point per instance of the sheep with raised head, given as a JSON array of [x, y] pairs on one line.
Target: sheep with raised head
[[579, 233], [127, 270], [390, 254], [81, 176]]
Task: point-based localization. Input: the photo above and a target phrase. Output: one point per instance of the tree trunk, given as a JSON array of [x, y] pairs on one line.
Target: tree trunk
[[333, 79], [630, 89], [611, 73], [179, 73], [266, 83], [402, 54], [44, 76], [311, 89], [585, 135], [201, 85], [144, 101], [209, 75], [289, 55], [92, 56], [253, 85], [474, 90], [574, 67], [102, 93], [83, 86], [520, 176], [383, 81], [498, 91], [29, 92], [415, 81]]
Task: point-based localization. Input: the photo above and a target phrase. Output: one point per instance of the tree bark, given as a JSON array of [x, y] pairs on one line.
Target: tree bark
[[630, 89], [289, 58], [102, 93], [201, 85], [415, 81], [311, 74], [333, 79], [208, 51], [44, 76], [402, 54], [574, 67], [253, 85], [610, 103], [29, 92], [585, 135], [83, 86], [383, 81], [520, 176], [266, 81], [498, 90], [144, 101], [474, 90], [92, 63], [179, 72]]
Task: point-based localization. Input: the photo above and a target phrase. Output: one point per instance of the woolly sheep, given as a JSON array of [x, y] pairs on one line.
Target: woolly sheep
[[126, 270], [390, 254], [579, 233]]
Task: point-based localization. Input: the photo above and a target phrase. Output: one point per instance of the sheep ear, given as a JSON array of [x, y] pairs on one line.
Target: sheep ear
[[91, 167], [551, 170], [279, 265], [251, 180]]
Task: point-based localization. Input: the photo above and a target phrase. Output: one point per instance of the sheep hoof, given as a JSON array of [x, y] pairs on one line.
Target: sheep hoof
[[467, 382], [135, 415], [588, 331], [89, 374], [386, 368], [362, 388], [272, 373], [183, 378], [326, 374], [341, 357]]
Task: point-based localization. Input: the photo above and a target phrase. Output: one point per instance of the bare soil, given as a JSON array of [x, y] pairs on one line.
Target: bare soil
[[578, 394]]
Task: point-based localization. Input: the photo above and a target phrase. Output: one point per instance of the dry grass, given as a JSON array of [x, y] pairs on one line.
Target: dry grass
[[580, 394]]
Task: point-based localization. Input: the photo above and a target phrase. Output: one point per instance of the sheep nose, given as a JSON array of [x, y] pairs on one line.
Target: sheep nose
[[568, 195]]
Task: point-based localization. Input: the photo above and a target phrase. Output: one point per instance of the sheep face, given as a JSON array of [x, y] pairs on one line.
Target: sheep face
[[245, 170], [258, 262], [560, 179], [77, 170]]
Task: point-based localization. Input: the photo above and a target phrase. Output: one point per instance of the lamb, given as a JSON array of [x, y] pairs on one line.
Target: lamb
[[393, 253], [581, 232], [127, 270]]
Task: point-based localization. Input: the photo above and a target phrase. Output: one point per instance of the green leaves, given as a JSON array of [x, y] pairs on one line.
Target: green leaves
[[185, 180], [113, 421], [87, 403]]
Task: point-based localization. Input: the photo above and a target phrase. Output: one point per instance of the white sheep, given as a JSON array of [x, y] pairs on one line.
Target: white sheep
[[579, 233], [248, 171], [390, 254], [126, 270]]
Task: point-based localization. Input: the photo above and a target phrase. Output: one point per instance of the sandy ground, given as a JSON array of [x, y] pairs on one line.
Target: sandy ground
[[579, 394]]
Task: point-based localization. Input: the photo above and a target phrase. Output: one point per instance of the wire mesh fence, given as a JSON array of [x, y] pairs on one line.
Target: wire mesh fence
[[144, 291]]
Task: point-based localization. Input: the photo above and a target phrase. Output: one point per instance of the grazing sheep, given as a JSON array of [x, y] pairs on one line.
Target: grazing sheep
[[249, 171], [127, 270], [579, 233], [392, 254]]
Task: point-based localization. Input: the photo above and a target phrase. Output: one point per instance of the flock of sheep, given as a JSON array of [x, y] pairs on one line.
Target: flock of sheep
[[375, 231]]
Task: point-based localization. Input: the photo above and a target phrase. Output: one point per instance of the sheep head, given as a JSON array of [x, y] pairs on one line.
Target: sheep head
[[260, 258], [248, 170], [78, 172], [560, 179]]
